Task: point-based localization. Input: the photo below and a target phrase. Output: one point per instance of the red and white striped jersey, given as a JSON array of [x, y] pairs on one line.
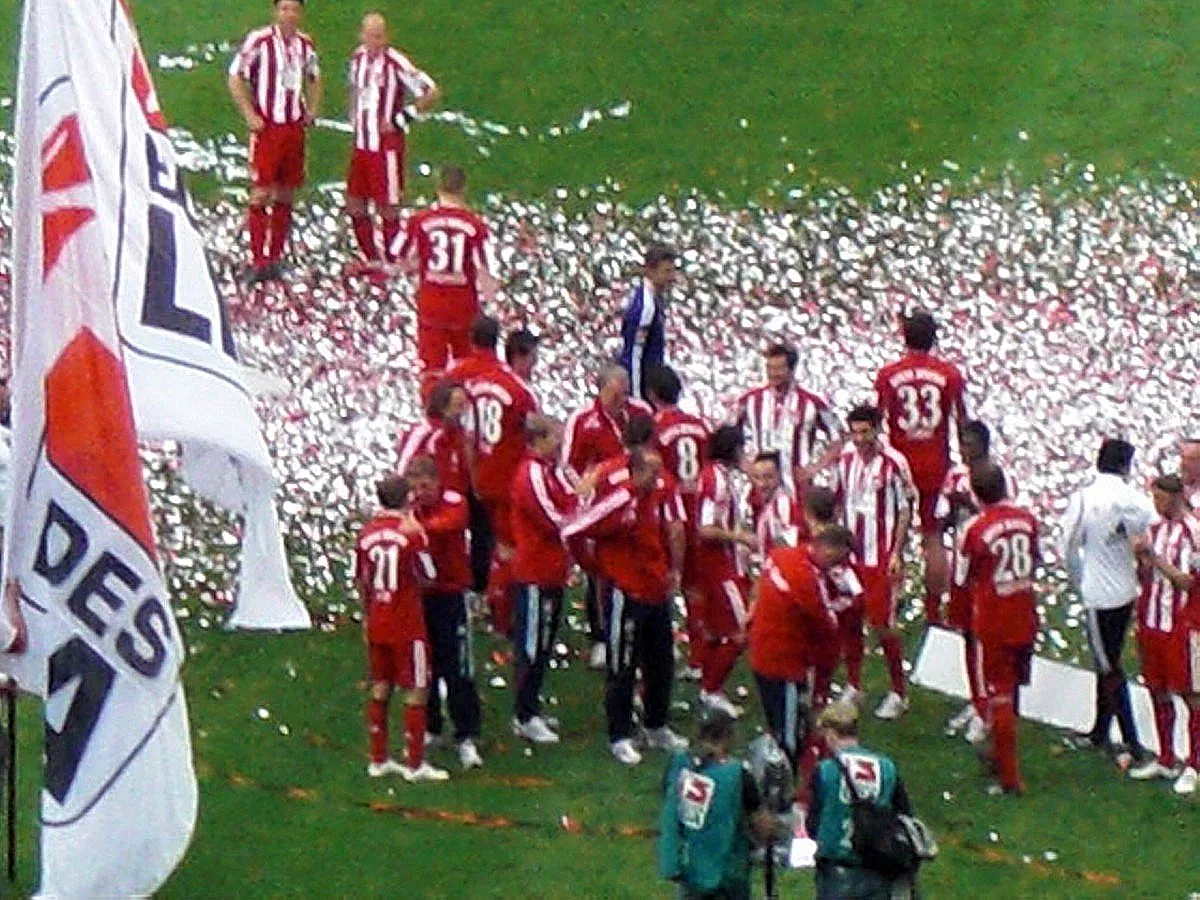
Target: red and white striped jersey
[[873, 494], [445, 444], [276, 69], [779, 522], [380, 82], [957, 488], [789, 421], [1177, 542], [719, 505]]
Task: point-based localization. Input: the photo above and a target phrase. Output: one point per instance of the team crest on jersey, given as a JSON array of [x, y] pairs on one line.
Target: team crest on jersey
[[696, 793]]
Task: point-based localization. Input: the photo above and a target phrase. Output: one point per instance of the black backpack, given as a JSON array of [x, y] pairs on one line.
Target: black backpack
[[888, 842]]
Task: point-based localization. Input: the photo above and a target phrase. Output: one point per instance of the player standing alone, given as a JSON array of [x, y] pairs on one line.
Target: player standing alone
[[275, 80], [381, 80], [448, 246], [920, 395], [386, 555]]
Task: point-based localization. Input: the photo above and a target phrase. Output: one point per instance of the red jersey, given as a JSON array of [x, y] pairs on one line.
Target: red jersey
[[541, 505], [385, 560], [592, 436], [998, 553], [791, 421], [276, 69], [793, 621], [446, 524], [718, 505], [682, 441], [381, 80], [920, 396], [1161, 605], [449, 246], [500, 402], [778, 520], [873, 495], [447, 445], [476, 364], [629, 532]]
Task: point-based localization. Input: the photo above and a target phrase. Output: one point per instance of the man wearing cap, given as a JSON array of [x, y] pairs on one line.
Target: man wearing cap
[[643, 326]]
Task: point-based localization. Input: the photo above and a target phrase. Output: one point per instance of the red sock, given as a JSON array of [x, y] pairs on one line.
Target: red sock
[[1164, 724], [933, 607], [364, 235], [391, 231], [414, 734], [377, 729], [1194, 734], [850, 636], [974, 659], [695, 630], [256, 221], [1004, 742], [892, 652], [719, 660], [499, 599], [281, 224]]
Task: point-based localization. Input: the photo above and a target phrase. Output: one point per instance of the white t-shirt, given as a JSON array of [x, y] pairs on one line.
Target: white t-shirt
[[1100, 525]]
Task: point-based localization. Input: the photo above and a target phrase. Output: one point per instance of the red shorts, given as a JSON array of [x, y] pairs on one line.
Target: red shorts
[[437, 346], [720, 600], [378, 175], [404, 664], [1164, 660], [879, 597], [1005, 666], [958, 611], [277, 156]]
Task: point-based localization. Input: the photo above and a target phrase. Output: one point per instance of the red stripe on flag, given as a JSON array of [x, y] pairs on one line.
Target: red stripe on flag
[[90, 436]]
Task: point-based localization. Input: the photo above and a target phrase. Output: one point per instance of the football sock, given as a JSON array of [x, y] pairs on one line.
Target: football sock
[[933, 607], [414, 734], [377, 729], [719, 660], [1164, 724], [499, 599], [1194, 733], [256, 221], [892, 652], [364, 235], [975, 675], [281, 224], [391, 230], [1004, 737]]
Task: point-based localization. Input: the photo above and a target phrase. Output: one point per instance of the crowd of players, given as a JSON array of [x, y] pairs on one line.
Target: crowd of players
[[648, 501]]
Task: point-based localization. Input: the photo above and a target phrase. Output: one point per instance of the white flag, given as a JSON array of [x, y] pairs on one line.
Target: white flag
[[184, 375], [104, 651]]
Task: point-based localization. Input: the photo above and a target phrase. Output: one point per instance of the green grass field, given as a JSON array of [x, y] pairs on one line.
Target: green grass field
[[841, 90]]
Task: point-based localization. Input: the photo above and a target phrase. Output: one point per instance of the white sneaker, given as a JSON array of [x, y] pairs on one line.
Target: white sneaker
[[385, 768], [717, 700], [691, 673], [977, 730], [424, 772], [960, 720], [893, 706], [1187, 782], [851, 694], [468, 755], [535, 730], [665, 739], [598, 658], [1151, 770], [624, 752]]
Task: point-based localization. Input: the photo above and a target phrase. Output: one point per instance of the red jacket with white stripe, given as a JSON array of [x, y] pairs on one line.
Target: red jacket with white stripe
[[541, 504]]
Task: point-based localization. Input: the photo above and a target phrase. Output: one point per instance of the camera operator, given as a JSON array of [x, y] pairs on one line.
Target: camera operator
[[711, 814]]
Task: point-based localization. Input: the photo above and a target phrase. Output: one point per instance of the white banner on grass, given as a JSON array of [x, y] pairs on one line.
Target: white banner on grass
[[103, 649]]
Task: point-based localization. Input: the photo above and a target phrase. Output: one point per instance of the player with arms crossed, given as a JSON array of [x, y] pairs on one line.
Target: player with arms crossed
[[381, 80], [999, 551], [386, 555], [875, 491], [275, 80], [449, 247], [1169, 558], [920, 396]]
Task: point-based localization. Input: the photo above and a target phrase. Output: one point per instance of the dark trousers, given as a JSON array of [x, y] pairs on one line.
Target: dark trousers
[[597, 595], [483, 539], [450, 643], [536, 611], [836, 882], [639, 637], [786, 706], [1106, 630]]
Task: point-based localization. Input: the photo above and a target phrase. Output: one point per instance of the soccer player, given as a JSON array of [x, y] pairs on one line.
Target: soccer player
[[920, 396], [643, 325], [443, 515], [782, 416], [502, 401], [793, 623], [956, 504], [381, 80], [627, 522], [441, 437], [778, 518], [541, 504], [998, 554], [722, 543], [591, 436], [875, 491], [1170, 560], [275, 80], [385, 555], [449, 247], [681, 439]]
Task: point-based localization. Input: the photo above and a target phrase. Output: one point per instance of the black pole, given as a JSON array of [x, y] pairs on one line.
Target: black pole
[[10, 703], [769, 873]]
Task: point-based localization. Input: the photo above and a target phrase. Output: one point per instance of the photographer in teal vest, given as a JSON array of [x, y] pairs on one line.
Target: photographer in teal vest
[[712, 814], [841, 874]]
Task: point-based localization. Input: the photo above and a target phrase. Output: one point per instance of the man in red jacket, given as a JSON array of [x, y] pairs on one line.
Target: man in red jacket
[[441, 437], [628, 521], [443, 515], [541, 503]]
